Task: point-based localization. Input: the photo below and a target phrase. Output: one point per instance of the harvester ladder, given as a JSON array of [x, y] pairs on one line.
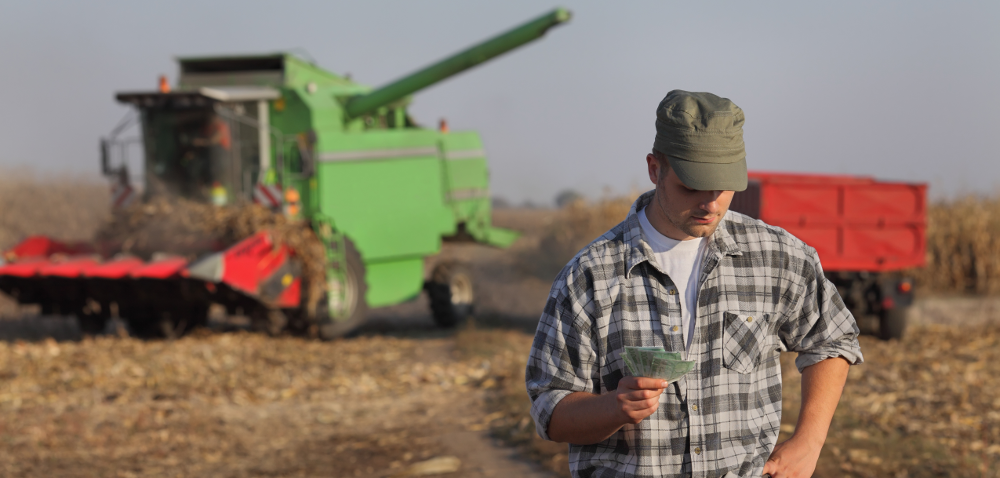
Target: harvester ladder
[[335, 246]]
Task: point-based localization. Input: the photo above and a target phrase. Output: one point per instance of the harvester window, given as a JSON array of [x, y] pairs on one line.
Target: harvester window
[[193, 152]]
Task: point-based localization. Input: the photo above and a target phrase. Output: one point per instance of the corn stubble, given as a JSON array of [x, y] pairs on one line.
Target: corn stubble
[[924, 406], [220, 405]]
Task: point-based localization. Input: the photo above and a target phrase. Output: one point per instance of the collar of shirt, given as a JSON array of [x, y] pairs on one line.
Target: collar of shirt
[[637, 251]]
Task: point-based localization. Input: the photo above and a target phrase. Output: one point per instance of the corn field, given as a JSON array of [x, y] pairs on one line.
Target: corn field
[[63, 207], [963, 247]]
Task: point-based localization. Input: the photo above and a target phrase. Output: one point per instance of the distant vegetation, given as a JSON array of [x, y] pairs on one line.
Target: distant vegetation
[[62, 207]]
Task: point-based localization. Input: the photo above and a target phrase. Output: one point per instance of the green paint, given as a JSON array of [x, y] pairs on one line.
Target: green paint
[[398, 281]]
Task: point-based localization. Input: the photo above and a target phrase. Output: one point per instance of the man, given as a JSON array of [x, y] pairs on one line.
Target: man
[[727, 291], [218, 140]]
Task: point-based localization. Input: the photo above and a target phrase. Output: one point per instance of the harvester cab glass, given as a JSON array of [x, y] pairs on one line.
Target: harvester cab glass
[[192, 152], [208, 145]]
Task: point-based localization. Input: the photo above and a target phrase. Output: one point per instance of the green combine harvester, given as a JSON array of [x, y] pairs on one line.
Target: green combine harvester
[[347, 160]]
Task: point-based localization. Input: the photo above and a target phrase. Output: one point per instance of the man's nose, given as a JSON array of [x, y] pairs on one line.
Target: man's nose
[[710, 203]]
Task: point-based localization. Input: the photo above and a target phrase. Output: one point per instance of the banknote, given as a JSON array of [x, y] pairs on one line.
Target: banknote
[[670, 370], [632, 368], [642, 357], [655, 362]]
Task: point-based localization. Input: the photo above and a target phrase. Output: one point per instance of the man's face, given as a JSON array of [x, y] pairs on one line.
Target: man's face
[[684, 213]]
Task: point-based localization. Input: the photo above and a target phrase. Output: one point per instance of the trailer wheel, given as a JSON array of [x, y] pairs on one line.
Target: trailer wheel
[[353, 293], [892, 323], [451, 294]]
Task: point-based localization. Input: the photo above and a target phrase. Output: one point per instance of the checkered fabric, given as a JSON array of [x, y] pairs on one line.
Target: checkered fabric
[[761, 291]]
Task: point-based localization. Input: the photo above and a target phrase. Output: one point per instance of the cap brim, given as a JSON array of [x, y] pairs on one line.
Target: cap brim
[[711, 176]]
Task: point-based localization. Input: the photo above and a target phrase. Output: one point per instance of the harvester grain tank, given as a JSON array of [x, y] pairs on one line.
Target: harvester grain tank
[[346, 160]]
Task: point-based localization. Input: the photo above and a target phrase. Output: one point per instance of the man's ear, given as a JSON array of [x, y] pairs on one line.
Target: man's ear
[[653, 167]]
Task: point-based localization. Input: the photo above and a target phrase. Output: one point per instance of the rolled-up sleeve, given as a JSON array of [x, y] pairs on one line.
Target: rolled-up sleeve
[[562, 358], [820, 325]]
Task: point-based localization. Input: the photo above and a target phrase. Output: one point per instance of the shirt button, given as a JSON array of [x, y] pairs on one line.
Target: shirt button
[[694, 407], [697, 450], [672, 291], [675, 328], [750, 319]]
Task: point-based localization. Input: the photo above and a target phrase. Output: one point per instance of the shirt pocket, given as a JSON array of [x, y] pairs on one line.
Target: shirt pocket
[[744, 339]]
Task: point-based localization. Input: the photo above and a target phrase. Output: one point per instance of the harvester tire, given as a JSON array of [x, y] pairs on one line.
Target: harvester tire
[[451, 294], [892, 323], [328, 327]]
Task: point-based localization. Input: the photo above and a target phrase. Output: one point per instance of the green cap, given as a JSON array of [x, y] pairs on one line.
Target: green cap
[[702, 136]]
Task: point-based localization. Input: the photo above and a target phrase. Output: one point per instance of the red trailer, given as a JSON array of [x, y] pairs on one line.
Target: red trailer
[[867, 233]]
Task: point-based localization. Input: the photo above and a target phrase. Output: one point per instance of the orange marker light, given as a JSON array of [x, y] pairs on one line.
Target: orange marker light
[[292, 196], [905, 287], [164, 85]]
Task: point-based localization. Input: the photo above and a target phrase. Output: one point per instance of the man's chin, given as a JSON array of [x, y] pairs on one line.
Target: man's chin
[[701, 230]]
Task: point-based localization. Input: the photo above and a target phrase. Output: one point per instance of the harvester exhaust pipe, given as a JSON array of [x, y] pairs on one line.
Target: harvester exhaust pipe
[[105, 158], [456, 63]]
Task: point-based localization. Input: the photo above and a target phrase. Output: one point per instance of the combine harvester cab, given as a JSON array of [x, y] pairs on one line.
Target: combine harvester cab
[[339, 159]]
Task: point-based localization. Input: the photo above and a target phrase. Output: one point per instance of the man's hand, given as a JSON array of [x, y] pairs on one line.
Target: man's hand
[[584, 418], [638, 397], [793, 458]]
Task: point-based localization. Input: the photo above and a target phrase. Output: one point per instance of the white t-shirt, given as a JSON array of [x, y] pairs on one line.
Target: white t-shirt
[[681, 260]]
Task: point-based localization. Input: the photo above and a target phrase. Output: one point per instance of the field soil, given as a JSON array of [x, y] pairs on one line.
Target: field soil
[[405, 398]]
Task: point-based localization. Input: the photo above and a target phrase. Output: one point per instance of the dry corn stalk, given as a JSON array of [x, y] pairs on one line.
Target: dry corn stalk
[[182, 227], [963, 247]]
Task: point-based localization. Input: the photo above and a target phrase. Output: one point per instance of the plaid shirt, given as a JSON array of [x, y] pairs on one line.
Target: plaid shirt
[[761, 291]]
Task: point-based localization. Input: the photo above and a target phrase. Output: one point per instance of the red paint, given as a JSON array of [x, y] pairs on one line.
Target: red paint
[[115, 269], [25, 268], [245, 265], [69, 268], [42, 246], [161, 269], [292, 294], [855, 223], [242, 262]]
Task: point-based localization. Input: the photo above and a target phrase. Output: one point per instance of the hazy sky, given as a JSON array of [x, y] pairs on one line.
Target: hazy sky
[[898, 90]]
